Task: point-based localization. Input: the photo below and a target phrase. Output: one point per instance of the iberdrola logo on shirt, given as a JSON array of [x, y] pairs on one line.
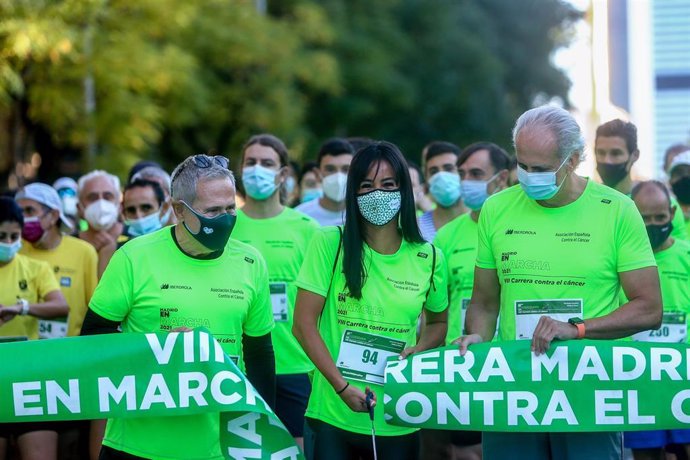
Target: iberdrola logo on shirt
[[511, 231]]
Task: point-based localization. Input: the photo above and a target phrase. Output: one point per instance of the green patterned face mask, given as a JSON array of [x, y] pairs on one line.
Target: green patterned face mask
[[214, 232], [379, 206]]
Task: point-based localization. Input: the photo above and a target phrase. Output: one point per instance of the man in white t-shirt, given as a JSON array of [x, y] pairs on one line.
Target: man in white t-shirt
[[335, 156]]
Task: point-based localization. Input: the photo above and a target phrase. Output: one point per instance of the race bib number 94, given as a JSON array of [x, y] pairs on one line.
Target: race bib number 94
[[363, 356]]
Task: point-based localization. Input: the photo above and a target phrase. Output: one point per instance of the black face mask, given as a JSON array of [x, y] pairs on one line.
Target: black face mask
[[658, 234], [214, 232], [612, 174], [681, 189]]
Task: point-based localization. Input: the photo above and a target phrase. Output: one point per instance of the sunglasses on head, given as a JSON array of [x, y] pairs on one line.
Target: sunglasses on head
[[204, 161]]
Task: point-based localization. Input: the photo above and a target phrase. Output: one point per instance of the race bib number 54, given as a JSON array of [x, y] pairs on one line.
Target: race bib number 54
[[363, 356]]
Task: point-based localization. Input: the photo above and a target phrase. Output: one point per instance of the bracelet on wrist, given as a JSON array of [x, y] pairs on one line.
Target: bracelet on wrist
[[344, 388], [25, 306]]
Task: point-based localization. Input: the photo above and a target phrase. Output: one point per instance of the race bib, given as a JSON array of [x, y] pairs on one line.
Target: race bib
[[463, 313], [528, 313], [52, 329], [279, 301], [363, 356], [673, 329]]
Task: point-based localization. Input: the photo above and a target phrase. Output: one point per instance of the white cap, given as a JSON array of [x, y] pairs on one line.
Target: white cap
[[47, 196], [680, 159], [65, 182]]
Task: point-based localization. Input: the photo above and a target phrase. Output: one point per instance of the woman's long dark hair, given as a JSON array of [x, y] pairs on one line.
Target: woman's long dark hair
[[354, 233]]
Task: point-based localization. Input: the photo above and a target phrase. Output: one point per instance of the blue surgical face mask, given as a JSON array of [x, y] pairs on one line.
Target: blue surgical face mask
[[8, 251], [259, 182], [540, 185], [445, 188], [309, 194], [475, 193], [144, 225], [290, 184]]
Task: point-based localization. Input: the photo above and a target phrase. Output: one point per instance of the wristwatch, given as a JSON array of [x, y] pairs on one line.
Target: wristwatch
[[25, 306], [579, 323]]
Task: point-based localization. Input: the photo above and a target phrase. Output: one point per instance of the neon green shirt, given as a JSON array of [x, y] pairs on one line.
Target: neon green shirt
[[458, 241], [562, 262], [674, 277], [150, 285], [282, 240], [361, 334]]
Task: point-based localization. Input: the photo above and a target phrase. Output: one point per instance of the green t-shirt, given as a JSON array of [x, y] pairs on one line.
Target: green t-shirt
[[674, 277], [562, 262], [680, 230], [458, 241], [282, 240], [150, 285], [361, 334]]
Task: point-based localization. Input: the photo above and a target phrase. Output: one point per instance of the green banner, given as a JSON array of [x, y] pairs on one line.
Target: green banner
[[139, 375], [579, 385]]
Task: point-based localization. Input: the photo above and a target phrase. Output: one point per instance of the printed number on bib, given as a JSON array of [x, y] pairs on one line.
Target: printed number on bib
[[54, 329], [528, 313], [673, 329], [279, 301], [363, 356]]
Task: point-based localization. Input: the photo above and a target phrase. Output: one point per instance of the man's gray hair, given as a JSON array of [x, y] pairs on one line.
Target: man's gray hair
[[187, 175], [563, 126], [154, 172], [86, 178]]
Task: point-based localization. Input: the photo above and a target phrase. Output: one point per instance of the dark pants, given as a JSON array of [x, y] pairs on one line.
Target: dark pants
[[292, 396], [324, 441], [108, 453]]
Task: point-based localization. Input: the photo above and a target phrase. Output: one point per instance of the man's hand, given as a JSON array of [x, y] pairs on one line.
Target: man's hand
[[407, 352], [102, 239], [548, 330], [467, 340]]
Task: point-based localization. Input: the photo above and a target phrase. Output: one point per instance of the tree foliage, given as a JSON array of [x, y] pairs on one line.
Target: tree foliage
[[174, 77]]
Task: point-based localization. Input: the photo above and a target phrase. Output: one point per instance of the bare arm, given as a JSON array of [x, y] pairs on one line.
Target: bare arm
[[433, 332], [482, 311], [643, 311], [308, 307]]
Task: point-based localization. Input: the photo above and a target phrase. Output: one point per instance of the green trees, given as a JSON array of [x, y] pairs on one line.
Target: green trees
[[172, 77], [416, 71]]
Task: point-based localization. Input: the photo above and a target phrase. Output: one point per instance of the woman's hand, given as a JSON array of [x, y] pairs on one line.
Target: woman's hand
[[356, 399]]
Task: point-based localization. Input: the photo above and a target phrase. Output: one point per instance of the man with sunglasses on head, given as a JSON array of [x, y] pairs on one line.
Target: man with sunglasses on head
[[178, 278]]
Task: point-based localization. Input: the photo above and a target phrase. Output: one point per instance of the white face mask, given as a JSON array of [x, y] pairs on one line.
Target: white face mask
[[101, 214], [334, 186]]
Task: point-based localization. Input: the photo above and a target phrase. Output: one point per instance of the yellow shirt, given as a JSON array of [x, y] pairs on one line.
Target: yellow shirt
[[29, 279], [74, 264]]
